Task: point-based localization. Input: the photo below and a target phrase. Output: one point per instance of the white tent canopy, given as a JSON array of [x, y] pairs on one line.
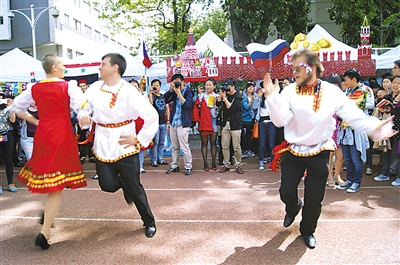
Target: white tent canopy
[[319, 32], [217, 46], [17, 66], [386, 60], [134, 66]]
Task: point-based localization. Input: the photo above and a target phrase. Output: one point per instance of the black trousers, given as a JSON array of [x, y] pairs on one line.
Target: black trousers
[[292, 170], [125, 174]]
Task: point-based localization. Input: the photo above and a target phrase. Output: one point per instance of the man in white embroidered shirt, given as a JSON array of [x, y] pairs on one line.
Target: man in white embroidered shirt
[[115, 105], [305, 110]]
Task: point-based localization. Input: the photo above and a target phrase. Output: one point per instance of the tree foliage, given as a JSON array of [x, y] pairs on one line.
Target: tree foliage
[[170, 17], [255, 21], [383, 17]]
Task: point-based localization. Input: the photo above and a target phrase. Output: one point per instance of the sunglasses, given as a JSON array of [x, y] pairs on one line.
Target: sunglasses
[[298, 68]]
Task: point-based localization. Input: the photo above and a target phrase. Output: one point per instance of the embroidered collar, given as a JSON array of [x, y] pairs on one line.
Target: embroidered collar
[[114, 95], [308, 89]]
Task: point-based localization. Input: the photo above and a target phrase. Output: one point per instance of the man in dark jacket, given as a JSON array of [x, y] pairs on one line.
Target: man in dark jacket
[[180, 122], [230, 103]]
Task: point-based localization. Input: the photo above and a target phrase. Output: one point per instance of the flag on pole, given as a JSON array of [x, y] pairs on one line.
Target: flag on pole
[[146, 60], [267, 55]]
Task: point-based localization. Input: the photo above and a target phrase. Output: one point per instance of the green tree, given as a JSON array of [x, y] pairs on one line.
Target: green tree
[[215, 20], [173, 16], [383, 17], [253, 21]]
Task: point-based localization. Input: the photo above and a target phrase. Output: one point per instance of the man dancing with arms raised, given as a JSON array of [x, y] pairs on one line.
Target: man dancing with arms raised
[[305, 109]]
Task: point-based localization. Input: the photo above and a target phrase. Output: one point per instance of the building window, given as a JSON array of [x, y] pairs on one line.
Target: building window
[[97, 35], [69, 53], [77, 25], [88, 30], [113, 42], [119, 46], [66, 20], [87, 7], [96, 13], [1, 20], [78, 3], [105, 38], [79, 54]]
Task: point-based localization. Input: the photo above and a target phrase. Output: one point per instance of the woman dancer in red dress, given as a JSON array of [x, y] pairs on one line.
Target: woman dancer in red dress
[[55, 160]]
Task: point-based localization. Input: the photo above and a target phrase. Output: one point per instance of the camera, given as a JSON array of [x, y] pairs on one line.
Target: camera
[[154, 88], [177, 84], [225, 88]]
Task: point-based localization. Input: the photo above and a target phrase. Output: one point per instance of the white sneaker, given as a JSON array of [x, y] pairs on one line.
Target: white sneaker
[[381, 177], [142, 170], [396, 182], [368, 171], [261, 165]]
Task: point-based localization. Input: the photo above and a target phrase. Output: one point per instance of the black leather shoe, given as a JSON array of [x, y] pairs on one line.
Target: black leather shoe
[[188, 172], [162, 162], [154, 164], [41, 241], [150, 231], [172, 170], [289, 220], [19, 164], [92, 159], [310, 241]]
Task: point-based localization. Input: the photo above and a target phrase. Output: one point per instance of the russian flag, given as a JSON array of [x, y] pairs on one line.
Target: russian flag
[[268, 55], [146, 60]]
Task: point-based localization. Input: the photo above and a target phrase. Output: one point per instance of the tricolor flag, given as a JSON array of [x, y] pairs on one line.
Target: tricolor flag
[[267, 55], [146, 60]]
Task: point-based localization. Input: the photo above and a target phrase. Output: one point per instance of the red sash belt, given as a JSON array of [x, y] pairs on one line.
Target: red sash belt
[[277, 152]]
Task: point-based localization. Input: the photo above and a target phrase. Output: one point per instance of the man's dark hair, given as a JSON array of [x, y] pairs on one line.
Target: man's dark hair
[[177, 76], [372, 80], [397, 62], [352, 73], [118, 59], [385, 75], [154, 81], [134, 81]]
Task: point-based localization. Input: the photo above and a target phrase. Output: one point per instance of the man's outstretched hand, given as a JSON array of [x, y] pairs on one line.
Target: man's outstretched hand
[[269, 87]]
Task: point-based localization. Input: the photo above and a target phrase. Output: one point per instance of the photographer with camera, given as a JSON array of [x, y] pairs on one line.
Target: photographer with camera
[[158, 102], [7, 118], [230, 103], [180, 122]]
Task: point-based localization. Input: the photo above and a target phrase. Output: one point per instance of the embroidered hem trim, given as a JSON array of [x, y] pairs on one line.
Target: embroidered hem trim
[[53, 181]]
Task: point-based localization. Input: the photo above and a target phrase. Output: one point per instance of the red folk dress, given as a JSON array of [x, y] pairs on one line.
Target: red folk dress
[[55, 161]]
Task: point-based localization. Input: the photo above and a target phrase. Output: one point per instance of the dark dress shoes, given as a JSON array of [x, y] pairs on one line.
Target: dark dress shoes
[[224, 169], [41, 241], [289, 220], [172, 170], [239, 170], [92, 159], [154, 164], [162, 162], [150, 231], [310, 241], [19, 164]]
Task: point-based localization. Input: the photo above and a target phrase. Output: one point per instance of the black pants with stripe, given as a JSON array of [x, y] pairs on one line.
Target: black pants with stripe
[[292, 170], [125, 174]]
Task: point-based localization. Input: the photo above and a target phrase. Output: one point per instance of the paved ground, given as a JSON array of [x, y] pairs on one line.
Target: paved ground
[[207, 218]]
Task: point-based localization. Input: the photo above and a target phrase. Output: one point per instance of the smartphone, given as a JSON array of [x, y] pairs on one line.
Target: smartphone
[[3, 101]]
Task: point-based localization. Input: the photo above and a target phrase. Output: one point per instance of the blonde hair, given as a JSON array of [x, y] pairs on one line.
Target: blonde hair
[[48, 61], [311, 58]]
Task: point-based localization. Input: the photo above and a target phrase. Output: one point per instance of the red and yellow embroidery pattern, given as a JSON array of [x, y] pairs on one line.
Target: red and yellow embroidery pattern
[[51, 182], [115, 125], [309, 90], [113, 95]]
